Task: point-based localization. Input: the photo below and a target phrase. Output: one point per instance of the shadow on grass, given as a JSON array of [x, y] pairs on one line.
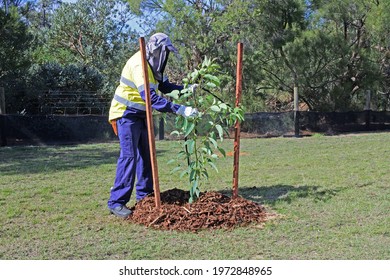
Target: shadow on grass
[[36, 159], [270, 195]]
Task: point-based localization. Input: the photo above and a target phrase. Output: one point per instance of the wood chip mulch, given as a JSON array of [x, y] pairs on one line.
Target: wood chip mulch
[[212, 210]]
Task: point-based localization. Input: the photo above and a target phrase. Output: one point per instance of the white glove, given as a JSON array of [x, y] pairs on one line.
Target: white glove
[[193, 87], [187, 111]]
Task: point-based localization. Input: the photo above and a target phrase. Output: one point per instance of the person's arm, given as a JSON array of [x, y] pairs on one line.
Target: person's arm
[[166, 86], [159, 103], [162, 104]]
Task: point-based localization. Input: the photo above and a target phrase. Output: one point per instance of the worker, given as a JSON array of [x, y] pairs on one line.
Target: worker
[[128, 118]]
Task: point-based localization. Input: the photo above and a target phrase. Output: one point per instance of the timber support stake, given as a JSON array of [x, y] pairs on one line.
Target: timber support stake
[[149, 119], [237, 124]]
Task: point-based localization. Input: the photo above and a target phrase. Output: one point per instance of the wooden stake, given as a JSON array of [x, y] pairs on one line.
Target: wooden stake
[[2, 101], [237, 125], [3, 136], [296, 112], [149, 119]]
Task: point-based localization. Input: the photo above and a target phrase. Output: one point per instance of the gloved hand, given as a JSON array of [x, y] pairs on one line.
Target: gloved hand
[[187, 111], [193, 87]]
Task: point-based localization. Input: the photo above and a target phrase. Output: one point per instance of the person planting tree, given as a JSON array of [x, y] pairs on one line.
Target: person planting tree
[[127, 116]]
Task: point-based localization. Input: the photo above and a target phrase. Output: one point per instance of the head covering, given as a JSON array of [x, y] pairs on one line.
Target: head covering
[[157, 51]]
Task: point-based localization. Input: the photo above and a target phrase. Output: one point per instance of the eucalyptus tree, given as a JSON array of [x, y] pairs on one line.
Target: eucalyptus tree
[[92, 33]]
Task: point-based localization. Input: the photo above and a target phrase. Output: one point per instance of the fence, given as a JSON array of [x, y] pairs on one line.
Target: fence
[[73, 103], [55, 102], [49, 129]]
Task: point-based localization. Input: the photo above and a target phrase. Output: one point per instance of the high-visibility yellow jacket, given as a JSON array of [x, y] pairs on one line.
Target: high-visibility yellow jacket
[[129, 98]]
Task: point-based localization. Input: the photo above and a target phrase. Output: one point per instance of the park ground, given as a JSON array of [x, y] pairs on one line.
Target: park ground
[[330, 195]]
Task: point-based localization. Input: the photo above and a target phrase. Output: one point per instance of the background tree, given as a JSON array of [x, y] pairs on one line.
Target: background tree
[[92, 33], [198, 28], [378, 25], [273, 27], [14, 56], [352, 70], [333, 50], [321, 46]]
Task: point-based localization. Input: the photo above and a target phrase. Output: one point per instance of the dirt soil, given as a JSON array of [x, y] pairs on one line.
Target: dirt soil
[[212, 210]]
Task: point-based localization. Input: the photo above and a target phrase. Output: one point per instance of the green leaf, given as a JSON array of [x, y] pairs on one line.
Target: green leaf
[[183, 173], [206, 62], [176, 169], [174, 94], [213, 165], [192, 175], [214, 142], [182, 153], [222, 151], [185, 124], [207, 149], [215, 108], [189, 129], [212, 79], [195, 75], [197, 192], [195, 184], [186, 95], [223, 106], [220, 131], [190, 145], [211, 85], [239, 113], [175, 132], [194, 190]]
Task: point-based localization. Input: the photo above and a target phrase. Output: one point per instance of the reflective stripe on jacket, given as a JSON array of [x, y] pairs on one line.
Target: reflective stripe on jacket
[[127, 94]]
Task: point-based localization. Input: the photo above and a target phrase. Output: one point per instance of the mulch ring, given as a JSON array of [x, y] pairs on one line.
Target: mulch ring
[[212, 210]]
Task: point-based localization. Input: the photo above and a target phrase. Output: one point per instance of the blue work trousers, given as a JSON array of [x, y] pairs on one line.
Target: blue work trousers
[[134, 161]]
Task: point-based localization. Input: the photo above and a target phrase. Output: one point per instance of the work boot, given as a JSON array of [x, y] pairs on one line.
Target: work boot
[[121, 211]]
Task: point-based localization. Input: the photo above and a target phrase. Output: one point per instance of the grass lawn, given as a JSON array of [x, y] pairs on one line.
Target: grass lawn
[[332, 195]]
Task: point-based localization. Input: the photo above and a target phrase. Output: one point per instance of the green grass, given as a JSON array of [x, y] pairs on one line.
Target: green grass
[[332, 194]]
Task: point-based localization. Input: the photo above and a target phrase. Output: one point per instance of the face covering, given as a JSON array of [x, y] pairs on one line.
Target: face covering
[[157, 61], [158, 49]]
